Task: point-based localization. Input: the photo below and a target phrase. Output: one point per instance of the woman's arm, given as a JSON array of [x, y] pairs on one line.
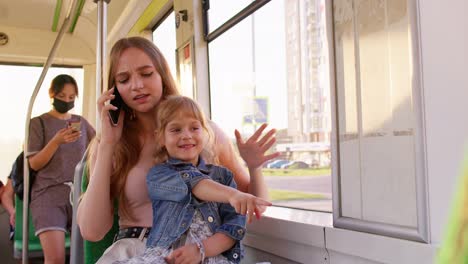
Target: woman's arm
[[7, 201], [95, 211], [253, 152], [95, 214], [41, 158], [229, 159]]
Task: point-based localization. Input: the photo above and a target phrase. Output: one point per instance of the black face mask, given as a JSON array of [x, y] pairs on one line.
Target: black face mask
[[62, 106]]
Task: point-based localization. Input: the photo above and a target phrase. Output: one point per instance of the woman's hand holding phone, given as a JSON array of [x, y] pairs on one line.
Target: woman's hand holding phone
[[75, 125], [66, 135], [117, 102], [109, 133]]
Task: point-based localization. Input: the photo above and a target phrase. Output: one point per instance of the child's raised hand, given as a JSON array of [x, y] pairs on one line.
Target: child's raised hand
[[188, 254], [248, 205], [253, 149]]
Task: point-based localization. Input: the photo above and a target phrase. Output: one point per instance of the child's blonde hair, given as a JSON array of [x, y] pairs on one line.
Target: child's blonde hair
[[172, 108]]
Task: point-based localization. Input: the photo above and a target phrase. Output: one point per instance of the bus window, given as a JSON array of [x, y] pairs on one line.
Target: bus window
[[281, 77], [220, 11], [18, 83], [164, 36]]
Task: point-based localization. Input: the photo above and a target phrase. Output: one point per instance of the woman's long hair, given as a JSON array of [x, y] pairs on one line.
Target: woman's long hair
[[172, 108], [128, 149]]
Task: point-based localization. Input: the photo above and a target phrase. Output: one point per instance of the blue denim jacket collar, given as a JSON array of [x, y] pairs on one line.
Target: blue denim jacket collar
[[201, 164]]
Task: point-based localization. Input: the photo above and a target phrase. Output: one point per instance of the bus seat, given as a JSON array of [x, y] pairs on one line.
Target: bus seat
[[34, 246], [76, 249], [94, 250]]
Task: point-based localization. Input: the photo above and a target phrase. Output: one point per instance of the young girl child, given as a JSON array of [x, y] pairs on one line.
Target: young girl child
[[186, 220]]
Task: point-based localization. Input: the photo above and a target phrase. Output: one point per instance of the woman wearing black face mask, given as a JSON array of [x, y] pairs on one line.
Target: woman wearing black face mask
[[55, 147]]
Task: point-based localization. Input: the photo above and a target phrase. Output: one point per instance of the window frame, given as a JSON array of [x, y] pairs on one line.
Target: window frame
[[231, 22], [421, 232]]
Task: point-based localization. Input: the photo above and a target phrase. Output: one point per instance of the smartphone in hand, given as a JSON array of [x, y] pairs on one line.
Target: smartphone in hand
[[75, 125], [117, 102]]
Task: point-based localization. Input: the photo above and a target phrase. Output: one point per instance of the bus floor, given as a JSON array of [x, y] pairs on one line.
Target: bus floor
[[6, 246]]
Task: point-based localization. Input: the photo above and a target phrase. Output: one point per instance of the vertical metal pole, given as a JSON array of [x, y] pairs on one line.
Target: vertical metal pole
[[76, 247], [63, 29], [101, 52]]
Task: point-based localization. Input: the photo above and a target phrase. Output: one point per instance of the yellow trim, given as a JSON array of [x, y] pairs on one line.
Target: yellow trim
[[145, 19]]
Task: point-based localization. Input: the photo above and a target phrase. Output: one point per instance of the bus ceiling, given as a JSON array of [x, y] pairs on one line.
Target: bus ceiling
[[30, 27]]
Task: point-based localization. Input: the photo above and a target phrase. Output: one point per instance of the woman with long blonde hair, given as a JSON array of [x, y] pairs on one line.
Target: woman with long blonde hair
[[122, 157]]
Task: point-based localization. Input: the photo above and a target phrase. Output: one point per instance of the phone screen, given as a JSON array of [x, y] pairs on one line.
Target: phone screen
[[117, 102], [75, 125]]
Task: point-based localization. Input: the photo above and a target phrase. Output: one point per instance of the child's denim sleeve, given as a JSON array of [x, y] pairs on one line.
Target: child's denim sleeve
[[194, 176], [232, 223], [166, 183]]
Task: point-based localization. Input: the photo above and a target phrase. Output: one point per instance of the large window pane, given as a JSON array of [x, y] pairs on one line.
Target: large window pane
[[164, 36], [222, 10], [273, 67], [21, 82]]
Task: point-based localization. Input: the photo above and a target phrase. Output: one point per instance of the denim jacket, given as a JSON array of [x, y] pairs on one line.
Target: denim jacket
[[170, 189]]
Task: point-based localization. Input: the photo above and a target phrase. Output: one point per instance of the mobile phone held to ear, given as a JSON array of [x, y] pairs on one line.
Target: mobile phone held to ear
[[117, 102]]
